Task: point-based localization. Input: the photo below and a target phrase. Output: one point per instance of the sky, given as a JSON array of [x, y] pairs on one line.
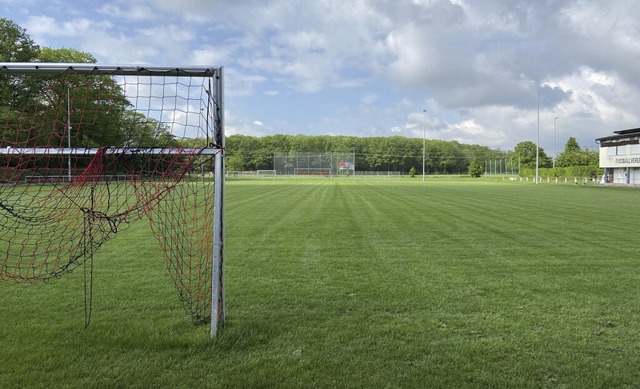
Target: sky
[[487, 72]]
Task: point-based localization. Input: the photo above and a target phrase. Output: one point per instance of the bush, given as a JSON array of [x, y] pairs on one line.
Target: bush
[[569, 171]]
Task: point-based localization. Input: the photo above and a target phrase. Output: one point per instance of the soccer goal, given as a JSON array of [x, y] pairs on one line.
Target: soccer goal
[[265, 173], [86, 150]]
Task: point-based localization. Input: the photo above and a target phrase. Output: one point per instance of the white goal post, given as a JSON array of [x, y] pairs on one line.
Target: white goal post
[[265, 173]]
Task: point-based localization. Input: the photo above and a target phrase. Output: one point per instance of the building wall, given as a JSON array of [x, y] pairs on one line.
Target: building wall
[[622, 176], [621, 163], [620, 156], [634, 176]]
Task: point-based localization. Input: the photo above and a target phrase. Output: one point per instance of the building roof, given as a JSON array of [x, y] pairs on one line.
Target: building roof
[[629, 131], [621, 134]]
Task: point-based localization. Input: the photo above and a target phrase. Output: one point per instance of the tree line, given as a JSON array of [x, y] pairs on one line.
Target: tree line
[[397, 153], [573, 161]]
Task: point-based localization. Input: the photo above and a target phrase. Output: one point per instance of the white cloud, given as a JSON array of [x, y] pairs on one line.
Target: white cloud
[[211, 55], [367, 67], [369, 98], [469, 130], [600, 97], [45, 26], [238, 84], [130, 11]]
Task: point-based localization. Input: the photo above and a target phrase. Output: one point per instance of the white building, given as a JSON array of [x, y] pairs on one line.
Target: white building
[[620, 157]]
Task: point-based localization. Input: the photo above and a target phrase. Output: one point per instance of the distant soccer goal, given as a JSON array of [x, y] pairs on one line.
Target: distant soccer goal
[[86, 150], [265, 173]]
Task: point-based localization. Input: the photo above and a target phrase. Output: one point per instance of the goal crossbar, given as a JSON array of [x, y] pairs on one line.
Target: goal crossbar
[[118, 70]]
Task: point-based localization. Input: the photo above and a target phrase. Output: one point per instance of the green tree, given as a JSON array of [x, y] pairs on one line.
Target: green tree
[[572, 145], [475, 168], [15, 44], [573, 155], [526, 153], [92, 103], [251, 149], [394, 153], [451, 158], [67, 55], [235, 162], [142, 131], [97, 103]]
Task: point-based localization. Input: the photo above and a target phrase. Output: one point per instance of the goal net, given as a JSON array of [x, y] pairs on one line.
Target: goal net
[[321, 163], [265, 173], [312, 171], [87, 150]]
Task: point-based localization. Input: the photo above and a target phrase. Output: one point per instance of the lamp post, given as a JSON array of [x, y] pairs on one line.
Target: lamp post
[[554, 141], [538, 138], [424, 141]]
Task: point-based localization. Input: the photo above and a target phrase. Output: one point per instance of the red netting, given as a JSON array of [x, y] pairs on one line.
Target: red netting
[[83, 156]]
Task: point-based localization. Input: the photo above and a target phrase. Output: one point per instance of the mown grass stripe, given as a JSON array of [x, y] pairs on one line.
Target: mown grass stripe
[[346, 283]]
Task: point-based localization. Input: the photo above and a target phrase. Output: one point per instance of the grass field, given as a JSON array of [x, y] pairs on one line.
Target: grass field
[[349, 283]]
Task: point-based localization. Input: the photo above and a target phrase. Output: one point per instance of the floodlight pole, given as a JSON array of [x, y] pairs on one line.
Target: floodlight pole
[[538, 138], [424, 141], [554, 141]]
